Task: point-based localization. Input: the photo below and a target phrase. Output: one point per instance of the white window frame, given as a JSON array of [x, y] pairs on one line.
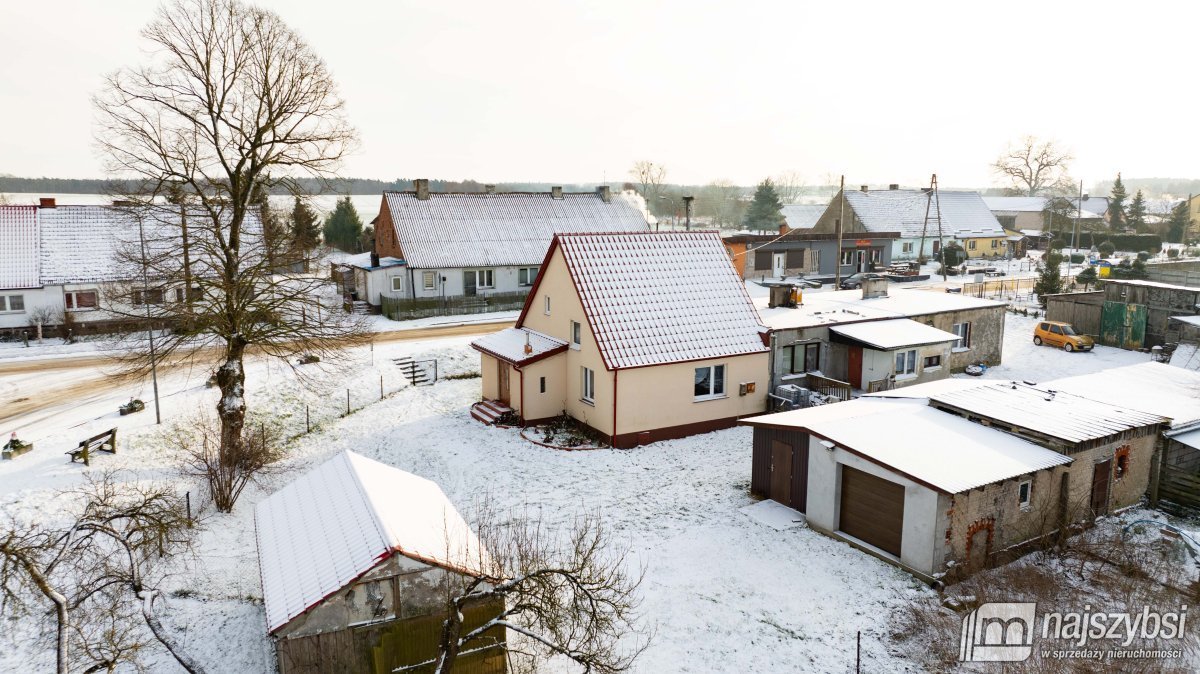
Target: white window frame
[[716, 380], [576, 335], [587, 382], [428, 280], [906, 247], [971, 244], [847, 257], [906, 363], [489, 274], [6, 302], [530, 274], [71, 301], [1026, 502], [963, 330], [397, 284], [546, 305]]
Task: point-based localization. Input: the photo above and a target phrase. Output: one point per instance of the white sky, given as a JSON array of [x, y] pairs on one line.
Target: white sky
[[576, 92]]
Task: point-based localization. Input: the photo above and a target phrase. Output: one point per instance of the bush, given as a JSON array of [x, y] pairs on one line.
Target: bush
[[1107, 248], [1077, 258], [1143, 256], [1057, 243], [1173, 253], [1150, 242]]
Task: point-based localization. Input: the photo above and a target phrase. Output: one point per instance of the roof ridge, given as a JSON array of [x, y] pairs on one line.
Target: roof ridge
[[385, 533]]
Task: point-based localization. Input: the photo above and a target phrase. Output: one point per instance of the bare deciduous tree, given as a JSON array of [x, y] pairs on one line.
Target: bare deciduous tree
[[43, 315], [232, 102], [226, 474], [115, 549], [789, 185], [720, 202], [650, 177], [1035, 167]]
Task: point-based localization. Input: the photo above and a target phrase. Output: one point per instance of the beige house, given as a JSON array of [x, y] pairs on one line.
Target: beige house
[[642, 336]]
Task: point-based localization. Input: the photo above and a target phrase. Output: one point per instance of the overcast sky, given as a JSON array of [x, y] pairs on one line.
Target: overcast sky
[[576, 92]]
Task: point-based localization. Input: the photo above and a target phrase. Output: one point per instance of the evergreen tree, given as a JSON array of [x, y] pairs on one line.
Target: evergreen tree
[[1116, 204], [1087, 277], [306, 232], [766, 211], [1178, 223], [1050, 280], [343, 228], [1137, 212]]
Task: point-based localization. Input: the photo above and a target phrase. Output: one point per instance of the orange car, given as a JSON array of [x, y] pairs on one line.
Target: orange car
[[1055, 333]]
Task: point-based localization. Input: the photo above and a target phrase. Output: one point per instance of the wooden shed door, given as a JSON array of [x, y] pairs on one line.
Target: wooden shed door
[[1101, 475], [781, 472], [502, 372], [855, 358], [872, 509]]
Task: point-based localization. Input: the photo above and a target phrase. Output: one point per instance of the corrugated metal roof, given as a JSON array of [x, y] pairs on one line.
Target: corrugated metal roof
[[894, 333], [19, 242], [964, 214], [509, 344], [336, 522], [1040, 409], [664, 297], [1155, 388], [486, 230], [803, 216]]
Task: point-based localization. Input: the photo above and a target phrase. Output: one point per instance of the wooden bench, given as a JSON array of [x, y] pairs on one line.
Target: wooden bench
[[101, 442]]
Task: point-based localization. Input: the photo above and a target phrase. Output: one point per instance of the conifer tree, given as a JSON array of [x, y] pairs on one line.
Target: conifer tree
[[766, 210], [1050, 280], [1177, 225], [343, 228], [1116, 204], [306, 233], [1137, 212]]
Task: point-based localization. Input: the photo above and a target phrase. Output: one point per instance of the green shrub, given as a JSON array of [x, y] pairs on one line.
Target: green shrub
[[1077, 258], [1143, 256], [1173, 253], [1107, 248]]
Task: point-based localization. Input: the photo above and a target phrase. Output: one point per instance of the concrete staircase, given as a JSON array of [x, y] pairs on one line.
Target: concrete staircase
[[489, 411]]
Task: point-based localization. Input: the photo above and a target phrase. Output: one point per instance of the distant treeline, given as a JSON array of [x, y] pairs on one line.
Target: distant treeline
[[307, 185]]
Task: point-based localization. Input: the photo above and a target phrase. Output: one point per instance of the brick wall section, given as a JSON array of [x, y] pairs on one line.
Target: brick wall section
[[987, 334], [386, 243]]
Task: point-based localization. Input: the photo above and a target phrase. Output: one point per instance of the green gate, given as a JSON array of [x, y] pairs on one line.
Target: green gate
[[1123, 325]]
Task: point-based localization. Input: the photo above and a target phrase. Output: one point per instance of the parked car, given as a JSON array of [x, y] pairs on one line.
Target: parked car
[[1062, 335], [855, 281]]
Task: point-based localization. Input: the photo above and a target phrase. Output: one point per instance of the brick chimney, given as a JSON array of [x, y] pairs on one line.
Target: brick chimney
[[556, 192], [874, 287], [864, 188], [374, 259], [489, 189], [605, 193], [784, 229], [47, 202], [421, 186], [894, 186]]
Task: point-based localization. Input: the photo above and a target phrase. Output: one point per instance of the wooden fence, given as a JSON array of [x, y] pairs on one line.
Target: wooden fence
[[829, 387], [1179, 480], [403, 308]]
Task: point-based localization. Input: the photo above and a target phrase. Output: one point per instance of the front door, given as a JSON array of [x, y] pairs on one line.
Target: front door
[[779, 265], [863, 261], [855, 358], [469, 283], [502, 371], [781, 472], [1101, 475]]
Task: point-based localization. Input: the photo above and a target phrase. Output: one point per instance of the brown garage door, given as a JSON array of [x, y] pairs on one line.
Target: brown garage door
[[872, 509]]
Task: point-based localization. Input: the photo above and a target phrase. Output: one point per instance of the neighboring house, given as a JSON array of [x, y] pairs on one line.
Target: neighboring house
[[78, 263], [959, 481], [641, 336], [1126, 313], [433, 246], [802, 253], [880, 336], [916, 214], [1029, 214], [355, 556], [802, 216]]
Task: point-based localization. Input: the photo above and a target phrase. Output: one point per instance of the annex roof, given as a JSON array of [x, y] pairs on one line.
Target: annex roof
[[505, 229], [893, 333], [1190, 320], [19, 243], [339, 520], [1155, 388], [930, 388], [1042, 409], [510, 345], [964, 214], [941, 450], [849, 306], [661, 297], [803, 216], [1151, 284], [1186, 355]]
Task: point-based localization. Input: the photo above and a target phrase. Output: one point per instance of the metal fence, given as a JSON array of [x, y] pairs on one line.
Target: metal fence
[[405, 308]]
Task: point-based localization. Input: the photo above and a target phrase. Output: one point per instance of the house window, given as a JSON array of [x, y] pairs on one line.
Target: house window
[[933, 361], [541, 385], [80, 300], [963, 330], [12, 303], [1122, 462], [486, 278], [847, 257], [995, 243], [148, 296], [588, 385], [906, 362], [971, 244], [526, 276], [428, 279], [546, 306], [710, 382], [906, 247], [799, 358], [398, 284], [876, 255], [1024, 494], [576, 333]]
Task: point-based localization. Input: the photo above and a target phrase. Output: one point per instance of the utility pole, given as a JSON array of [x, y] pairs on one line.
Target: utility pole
[[149, 318], [687, 207], [1075, 231], [837, 262]]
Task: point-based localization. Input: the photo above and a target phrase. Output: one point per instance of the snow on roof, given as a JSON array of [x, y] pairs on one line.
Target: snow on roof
[[19, 243], [507, 229], [1016, 204], [1043, 410], [803, 216], [894, 333], [1189, 438], [1152, 284], [1156, 388], [944, 451], [509, 344], [661, 297], [848, 306], [1190, 320], [339, 520], [1187, 356], [964, 214], [361, 262], [930, 388]]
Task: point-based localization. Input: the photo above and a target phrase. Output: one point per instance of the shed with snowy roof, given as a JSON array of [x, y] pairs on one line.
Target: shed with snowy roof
[[355, 556], [642, 336]]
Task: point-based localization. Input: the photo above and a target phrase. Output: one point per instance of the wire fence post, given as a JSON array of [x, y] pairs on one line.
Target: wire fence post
[[307, 421], [347, 402], [858, 652], [381, 387]]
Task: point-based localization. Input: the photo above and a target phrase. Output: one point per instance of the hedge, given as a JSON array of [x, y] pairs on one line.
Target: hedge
[[1150, 242]]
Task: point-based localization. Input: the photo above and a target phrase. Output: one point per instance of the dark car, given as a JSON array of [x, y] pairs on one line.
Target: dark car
[[856, 280]]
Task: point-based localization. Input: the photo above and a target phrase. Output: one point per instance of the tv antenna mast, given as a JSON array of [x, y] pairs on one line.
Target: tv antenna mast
[[931, 199]]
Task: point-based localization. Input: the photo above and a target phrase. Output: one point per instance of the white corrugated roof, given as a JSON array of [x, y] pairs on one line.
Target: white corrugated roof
[[1187, 356], [1058, 414], [803, 216], [930, 388], [1151, 284], [1190, 320], [942, 450], [339, 520], [894, 333], [1155, 388], [963, 214], [509, 344], [1189, 438], [847, 306], [661, 297], [507, 229], [19, 242]]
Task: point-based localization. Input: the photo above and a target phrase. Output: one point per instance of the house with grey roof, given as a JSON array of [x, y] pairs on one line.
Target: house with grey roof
[[926, 220], [438, 246]]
